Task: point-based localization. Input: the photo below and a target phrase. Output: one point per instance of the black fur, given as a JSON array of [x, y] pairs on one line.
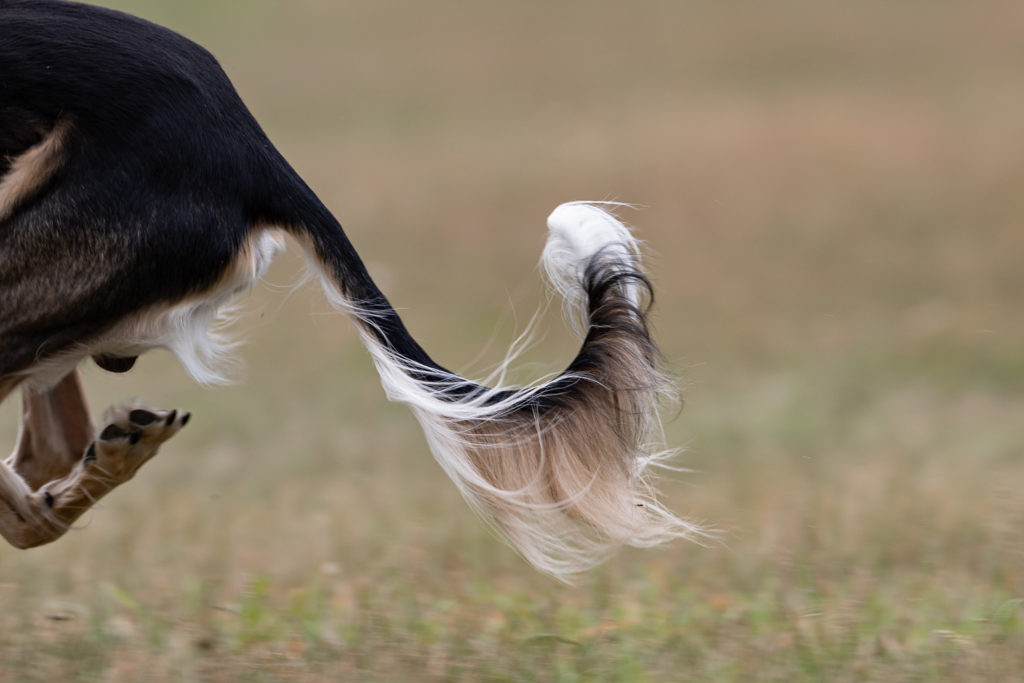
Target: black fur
[[166, 174], [156, 181]]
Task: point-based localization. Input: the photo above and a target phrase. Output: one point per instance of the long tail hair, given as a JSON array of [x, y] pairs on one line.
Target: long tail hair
[[562, 469]]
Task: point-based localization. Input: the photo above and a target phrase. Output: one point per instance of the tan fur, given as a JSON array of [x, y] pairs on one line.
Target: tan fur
[[33, 516], [55, 430], [31, 170], [581, 477]]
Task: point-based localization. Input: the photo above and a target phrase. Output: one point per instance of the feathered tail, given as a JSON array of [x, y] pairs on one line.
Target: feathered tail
[[561, 470]]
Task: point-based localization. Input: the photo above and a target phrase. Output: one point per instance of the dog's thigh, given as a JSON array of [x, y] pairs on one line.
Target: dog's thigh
[[79, 262]]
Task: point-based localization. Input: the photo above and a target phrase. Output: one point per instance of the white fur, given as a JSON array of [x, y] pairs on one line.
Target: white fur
[[576, 232], [192, 330]]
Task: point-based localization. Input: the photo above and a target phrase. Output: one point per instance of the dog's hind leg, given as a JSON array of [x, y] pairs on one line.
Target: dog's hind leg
[[59, 469], [55, 431]]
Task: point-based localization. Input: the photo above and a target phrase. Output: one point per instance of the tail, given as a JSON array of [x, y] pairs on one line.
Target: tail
[[560, 470]]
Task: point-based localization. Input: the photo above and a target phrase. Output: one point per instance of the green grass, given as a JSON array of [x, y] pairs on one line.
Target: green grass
[[832, 202]]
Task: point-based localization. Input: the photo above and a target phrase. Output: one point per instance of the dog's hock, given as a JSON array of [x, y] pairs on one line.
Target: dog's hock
[[132, 435]]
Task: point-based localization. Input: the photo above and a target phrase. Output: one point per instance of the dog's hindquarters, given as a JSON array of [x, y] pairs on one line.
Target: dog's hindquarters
[[163, 174]]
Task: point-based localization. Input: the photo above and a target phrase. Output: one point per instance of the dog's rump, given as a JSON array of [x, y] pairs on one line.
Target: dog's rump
[[141, 200]]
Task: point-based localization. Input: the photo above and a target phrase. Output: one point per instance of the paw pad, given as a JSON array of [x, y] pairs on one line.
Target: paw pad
[[142, 417], [112, 432]]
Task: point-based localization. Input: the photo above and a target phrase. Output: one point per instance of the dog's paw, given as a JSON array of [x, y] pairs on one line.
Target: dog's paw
[[132, 436]]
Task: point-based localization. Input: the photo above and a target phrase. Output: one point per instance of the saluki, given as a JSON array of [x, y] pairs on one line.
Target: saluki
[[138, 195]]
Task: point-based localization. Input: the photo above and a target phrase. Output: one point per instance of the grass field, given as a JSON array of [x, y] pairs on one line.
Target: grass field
[[833, 204]]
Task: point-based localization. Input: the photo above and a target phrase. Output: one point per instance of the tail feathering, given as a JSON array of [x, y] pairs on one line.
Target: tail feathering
[[562, 469]]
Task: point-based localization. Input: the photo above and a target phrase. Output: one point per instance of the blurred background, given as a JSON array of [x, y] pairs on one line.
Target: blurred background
[[831, 196]]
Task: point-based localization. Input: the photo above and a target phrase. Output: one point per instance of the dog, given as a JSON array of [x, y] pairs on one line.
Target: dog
[[138, 196]]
